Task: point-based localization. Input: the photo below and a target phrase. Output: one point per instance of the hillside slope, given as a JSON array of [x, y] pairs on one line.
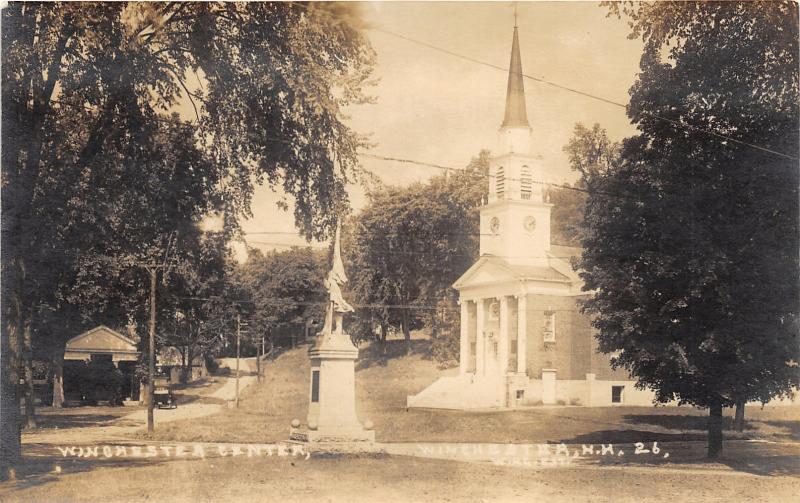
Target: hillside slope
[[267, 408]]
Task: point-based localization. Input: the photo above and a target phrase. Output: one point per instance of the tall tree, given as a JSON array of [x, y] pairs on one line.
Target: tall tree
[[195, 295], [410, 244], [87, 88], [284, 290], [692, 240], [590, 152]]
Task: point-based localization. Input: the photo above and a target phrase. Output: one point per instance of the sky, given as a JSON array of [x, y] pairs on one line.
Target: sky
[[437, 108]]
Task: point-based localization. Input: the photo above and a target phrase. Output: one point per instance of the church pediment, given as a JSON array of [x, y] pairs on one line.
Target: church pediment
[[482, 272], [492, 270], [101, 339]]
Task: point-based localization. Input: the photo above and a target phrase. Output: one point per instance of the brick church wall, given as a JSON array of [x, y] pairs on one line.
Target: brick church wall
[[574, 352]]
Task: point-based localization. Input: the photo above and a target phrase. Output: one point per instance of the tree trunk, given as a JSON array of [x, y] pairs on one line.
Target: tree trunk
[[384, 330], [58, 378], [184, 351], [258, 362], [715, 431], [27, 350], [10, 439], [738, 419], [187, 372], [406, 330], [271, 346], [151, 350]]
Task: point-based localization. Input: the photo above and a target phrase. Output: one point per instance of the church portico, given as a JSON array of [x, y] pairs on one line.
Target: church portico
[[484, 336], [490, 344]]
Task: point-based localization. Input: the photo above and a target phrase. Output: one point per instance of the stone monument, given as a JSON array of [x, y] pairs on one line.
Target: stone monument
[[332, 404]]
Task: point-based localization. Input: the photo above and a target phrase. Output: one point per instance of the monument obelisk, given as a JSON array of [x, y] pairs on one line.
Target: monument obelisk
[[332, 403]]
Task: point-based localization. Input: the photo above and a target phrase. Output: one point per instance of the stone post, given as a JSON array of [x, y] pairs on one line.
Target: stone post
[[332, 408]]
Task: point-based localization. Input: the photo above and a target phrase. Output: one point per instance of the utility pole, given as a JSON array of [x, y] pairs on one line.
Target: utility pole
[[238, 340], [152, 268], [258, 363], [151, 350]]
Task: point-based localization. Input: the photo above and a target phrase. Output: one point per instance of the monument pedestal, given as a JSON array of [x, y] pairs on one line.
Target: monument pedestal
[[332, 402]]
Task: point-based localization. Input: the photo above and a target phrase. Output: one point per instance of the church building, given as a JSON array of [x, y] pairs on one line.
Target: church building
[[524, 340]]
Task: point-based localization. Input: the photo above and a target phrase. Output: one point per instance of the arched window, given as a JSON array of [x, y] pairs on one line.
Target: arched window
[[500, 182], [525, 183]]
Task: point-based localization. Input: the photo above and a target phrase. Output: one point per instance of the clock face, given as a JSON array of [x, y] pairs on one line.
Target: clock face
[[494, 225], [529, 223]]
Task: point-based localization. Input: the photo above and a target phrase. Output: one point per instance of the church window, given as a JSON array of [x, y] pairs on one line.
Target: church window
[[525, 183], [500, 182], [549, 326], [617, 394]]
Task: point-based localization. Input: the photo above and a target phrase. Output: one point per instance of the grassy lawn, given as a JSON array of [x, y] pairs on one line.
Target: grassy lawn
[[383, 478], [382, 384], [747, 472]]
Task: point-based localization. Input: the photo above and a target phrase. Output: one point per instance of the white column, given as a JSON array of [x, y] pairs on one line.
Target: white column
[[503, 343], [480, 338], [522, 333], [465, 356]]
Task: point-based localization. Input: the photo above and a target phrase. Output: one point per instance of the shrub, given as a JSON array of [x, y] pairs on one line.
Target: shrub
[[446, 348], [211, 364]]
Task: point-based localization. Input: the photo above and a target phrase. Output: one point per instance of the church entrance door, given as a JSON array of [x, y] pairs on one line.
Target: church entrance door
[[492, 365], [490, 350]]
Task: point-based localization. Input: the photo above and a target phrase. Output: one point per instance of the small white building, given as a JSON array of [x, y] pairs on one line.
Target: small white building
[[99, 344], [170, 359]]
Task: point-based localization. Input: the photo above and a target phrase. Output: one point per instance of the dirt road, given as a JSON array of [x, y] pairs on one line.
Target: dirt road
[[387, 478]]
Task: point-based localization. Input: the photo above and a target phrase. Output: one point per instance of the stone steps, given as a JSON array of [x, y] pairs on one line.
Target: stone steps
[[465, 391]]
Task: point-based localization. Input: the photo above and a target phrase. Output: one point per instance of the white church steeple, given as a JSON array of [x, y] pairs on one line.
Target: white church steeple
[[515, 224], [515, 132]]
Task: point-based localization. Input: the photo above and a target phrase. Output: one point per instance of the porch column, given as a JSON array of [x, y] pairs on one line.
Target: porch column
[[522, 333], [502, 344], [480, 338], [463, 360]]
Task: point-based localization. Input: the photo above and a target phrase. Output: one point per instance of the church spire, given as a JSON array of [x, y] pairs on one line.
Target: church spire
[[516, 115]]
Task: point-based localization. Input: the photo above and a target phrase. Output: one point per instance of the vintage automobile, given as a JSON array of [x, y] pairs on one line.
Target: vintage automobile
[[162, 393]]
